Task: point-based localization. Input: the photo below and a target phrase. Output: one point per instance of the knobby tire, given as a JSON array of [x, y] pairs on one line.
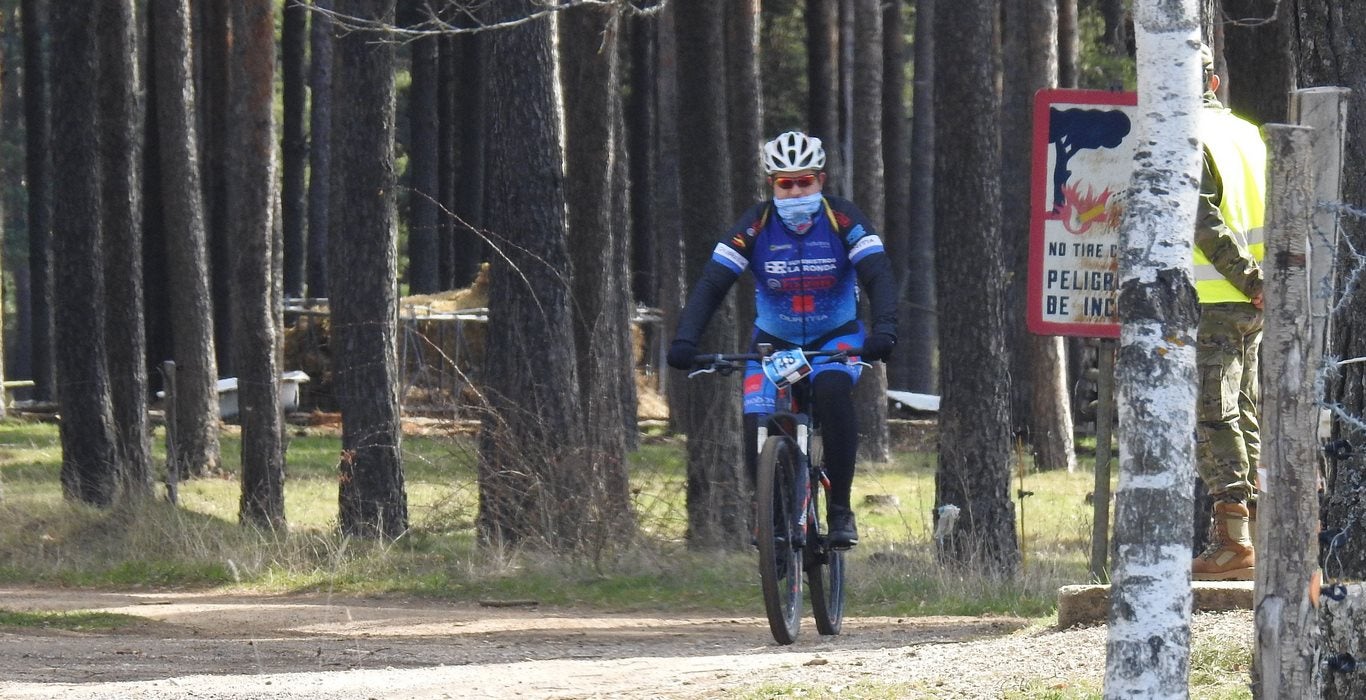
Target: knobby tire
[[824, 565], [779, 565]]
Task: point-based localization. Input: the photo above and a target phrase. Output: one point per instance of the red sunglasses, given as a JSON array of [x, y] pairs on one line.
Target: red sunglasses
[[787, 183]]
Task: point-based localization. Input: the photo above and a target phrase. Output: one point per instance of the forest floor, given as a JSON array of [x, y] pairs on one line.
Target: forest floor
[[237, 646]]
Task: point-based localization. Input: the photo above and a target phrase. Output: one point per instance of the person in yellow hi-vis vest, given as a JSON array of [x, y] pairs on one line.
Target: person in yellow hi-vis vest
[[1228, 282]]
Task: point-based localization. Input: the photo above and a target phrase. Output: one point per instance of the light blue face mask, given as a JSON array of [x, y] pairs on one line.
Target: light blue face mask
[[797, 212]]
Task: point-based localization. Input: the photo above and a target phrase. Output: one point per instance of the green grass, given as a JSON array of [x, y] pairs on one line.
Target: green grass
[[45, 539], [75, 621]]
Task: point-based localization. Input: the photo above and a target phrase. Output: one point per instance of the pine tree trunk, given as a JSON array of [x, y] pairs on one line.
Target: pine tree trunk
[[251, 197], [1155, 375], [532, 471], [1069, 42], [666, 194], [89, 455], [870, 394], [895, 162], [1039, 383], [122, 120], [918, 328], [423, 256], [363, 250], [641, 135], [471, 139], [38, 175], [822, 77], [319, 149], [448, 66], [589, 73], [294, 145], [212, 60], [744, 112], [196, 396], [974, 417], [716, 489]]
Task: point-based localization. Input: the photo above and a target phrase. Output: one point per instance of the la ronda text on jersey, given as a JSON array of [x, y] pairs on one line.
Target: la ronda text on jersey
[[790, 267]]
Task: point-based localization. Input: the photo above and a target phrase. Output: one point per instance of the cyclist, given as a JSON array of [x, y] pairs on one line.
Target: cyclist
[[809, 254]]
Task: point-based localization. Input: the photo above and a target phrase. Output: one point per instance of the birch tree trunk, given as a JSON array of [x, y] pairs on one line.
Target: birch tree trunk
[[1149, 635]]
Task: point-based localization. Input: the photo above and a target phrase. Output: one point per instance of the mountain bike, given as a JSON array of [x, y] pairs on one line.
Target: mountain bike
[[790, 531]]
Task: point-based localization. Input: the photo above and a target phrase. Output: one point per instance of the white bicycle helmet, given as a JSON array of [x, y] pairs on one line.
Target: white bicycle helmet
[[793, 151]]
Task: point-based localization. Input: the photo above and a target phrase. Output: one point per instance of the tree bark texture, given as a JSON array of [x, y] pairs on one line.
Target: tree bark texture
[[90, 467], [870, 395], [363, 250], [213, 61], [196, 397], [744, 103], [1325, 36], [1069, 42], [918, 340], [590, 75], [319, 149], [122, 122], [744, 112], [1344, 644], [974, 418], [1039, 398], [1257, 53], [666, 193], [471, 138], [1285, 664], [38, 174], [717, 493], [448, 67], [250, 196], [641, 135], [1148, 648], [823, 78], [895, 164], [423, 255], [294, 145], [532, 471]]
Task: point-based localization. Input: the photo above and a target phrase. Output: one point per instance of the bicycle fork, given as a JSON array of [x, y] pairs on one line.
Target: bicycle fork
[[804, 510]]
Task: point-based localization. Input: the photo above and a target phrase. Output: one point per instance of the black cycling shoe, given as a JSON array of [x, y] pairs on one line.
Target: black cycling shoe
[[843, 531]]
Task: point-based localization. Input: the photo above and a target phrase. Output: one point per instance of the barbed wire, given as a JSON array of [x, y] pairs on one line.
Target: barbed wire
[[467, 19], [1330, 374], [1253, 21]]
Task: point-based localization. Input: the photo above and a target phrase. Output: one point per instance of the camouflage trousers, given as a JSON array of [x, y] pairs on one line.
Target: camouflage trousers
[[1228, 445]]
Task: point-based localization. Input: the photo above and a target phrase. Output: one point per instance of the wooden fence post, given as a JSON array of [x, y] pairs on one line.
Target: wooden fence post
[[1325, 109], [1285, 664]]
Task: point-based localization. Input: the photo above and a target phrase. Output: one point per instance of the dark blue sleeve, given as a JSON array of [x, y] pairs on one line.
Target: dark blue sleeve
[[871, 262], [704, 299]]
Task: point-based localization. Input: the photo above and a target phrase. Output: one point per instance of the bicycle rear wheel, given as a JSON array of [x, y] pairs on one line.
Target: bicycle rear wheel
[[779, 564], [826, 577], [824, 565]]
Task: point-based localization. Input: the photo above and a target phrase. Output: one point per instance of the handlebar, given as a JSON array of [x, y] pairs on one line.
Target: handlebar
[[726, 363]]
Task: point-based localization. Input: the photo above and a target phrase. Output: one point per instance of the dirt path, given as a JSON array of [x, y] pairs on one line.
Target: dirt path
[[308, 646]]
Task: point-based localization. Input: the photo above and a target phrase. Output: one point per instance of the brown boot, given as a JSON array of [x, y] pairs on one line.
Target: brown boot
[[1229, 556]]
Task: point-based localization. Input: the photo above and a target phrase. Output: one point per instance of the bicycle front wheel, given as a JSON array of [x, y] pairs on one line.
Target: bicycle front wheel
[[824, 565], [779, 563]]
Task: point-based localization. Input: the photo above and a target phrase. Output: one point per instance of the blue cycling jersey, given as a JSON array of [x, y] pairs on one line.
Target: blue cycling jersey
[[805, 286]]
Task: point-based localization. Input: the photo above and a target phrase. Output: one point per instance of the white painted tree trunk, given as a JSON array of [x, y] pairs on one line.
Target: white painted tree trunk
[[1149, 633]]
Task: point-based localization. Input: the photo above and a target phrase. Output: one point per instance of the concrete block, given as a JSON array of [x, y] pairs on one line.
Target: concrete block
[[1090, 604]]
